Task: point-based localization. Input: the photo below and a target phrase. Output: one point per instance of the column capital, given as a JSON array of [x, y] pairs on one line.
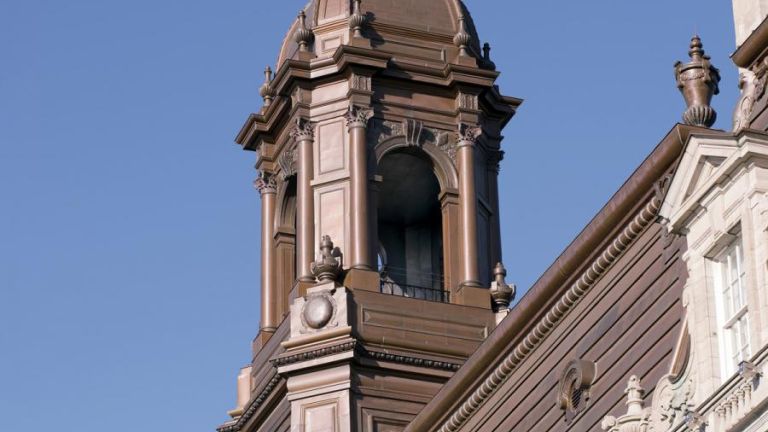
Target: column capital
[[357, 116], [303, 130], [468, 134], [265, 183]]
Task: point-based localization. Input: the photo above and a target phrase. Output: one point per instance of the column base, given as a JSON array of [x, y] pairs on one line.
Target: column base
[[261, 339], [470, 293], [362, 279]]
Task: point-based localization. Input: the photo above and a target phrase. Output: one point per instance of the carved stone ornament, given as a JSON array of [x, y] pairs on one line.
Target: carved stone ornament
[[287, 162], [265, 183], [573, 389], [501, 293], [636, 418], [412, 130], [356, 20], [468, 134], [304, 130], [360, 82], [357, 117], [698, 82], [328, 266], [414, 133], [672, 398], [266, 91], [445, 141], [468, 101], [318, 310], [752, 88], [462, 38], [303, 36]]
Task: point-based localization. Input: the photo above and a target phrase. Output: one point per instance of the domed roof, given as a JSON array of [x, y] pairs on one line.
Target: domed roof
[[439, 17]]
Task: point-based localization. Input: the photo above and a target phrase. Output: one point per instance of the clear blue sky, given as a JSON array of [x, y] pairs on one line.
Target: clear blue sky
[[129, 226]]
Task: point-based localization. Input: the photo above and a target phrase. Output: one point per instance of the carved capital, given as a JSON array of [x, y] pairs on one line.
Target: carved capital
[[304, 130], [468, 134], [357, 117], [265, 183]]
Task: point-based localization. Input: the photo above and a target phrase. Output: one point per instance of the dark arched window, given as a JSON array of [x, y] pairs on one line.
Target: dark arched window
[[410, 226]]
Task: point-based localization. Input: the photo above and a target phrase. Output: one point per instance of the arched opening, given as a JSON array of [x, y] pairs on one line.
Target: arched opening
[[285, 242], [410, 226]]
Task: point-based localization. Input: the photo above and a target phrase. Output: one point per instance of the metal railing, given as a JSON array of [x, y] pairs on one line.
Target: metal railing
[[416, 292]]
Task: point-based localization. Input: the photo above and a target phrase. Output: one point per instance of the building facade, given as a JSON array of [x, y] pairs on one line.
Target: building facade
[[384, 301]]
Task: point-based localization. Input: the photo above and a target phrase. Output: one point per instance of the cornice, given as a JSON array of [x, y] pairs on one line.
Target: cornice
[[289, 359], [253, 407], [349, 57], [362, 351], [753, 48], [556, 313]]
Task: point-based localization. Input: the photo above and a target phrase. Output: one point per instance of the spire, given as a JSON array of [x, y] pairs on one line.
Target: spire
[[698, 82]]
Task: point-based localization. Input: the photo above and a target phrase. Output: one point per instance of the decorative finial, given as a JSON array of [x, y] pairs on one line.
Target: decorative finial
[[328, 266], [266, 91], [501, 293], [637, 417], [487, 56], [698, 82], [356, 20], [303, 35], [462, 38]]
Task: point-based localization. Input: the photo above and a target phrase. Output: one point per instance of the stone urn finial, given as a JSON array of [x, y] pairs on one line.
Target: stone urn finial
[[487, 56], [501, 293], [266, 91], [698, 82], [462, 38], [303, 35], [356, 20], [328, 266]]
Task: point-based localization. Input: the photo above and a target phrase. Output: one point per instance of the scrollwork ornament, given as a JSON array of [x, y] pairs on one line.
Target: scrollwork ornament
[[448, 145], [672, 400], [287, 162], [752, 89]]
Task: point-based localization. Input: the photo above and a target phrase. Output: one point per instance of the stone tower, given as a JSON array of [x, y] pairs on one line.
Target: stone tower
[[378, 145]]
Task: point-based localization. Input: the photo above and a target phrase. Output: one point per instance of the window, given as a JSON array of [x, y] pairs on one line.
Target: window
[[733, 314]]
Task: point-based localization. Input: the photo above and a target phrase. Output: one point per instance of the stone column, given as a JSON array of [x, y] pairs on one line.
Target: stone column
[[467, 138], [304, 134], [268, 190], [357, 122]]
